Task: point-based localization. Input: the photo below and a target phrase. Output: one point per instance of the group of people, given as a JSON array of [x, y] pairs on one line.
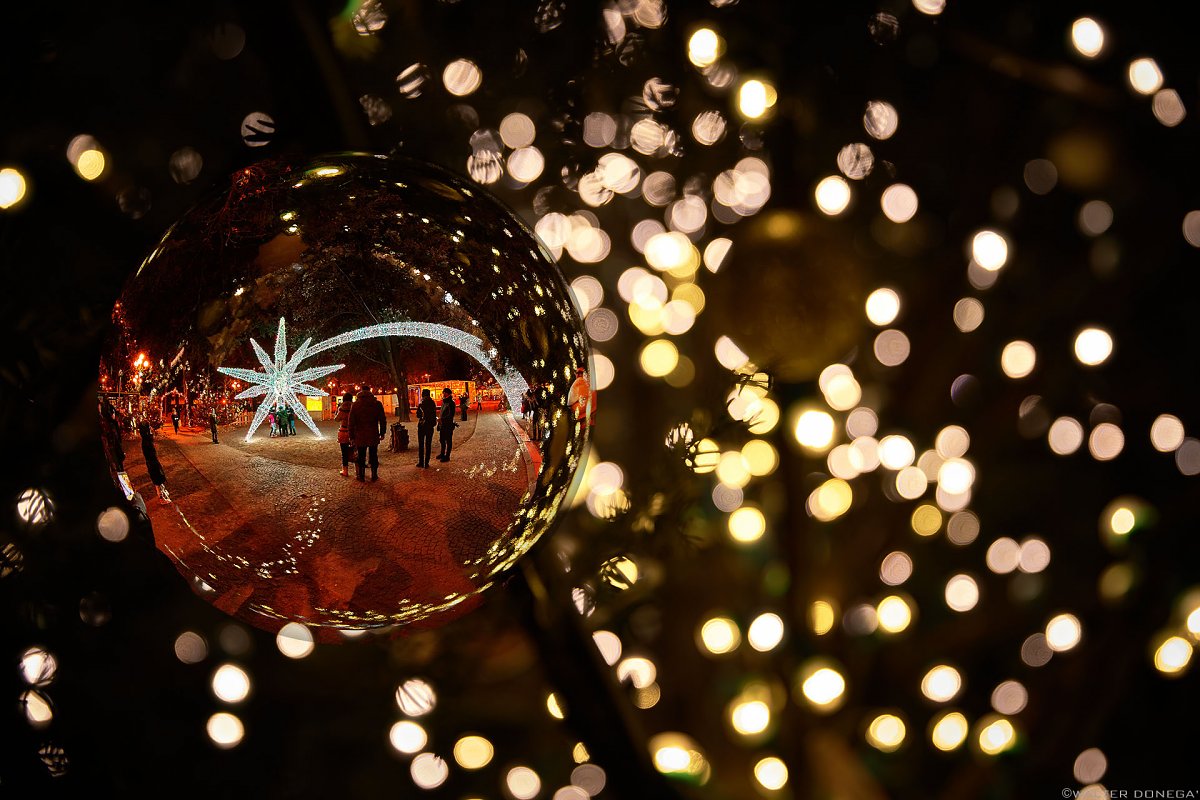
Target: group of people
[[363, 424], [535, 403], [282, 420]]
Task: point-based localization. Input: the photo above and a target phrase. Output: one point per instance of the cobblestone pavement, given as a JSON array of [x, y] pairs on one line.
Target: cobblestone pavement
[[270, 531]]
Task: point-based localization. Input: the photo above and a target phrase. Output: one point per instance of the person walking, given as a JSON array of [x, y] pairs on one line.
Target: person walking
[[153, 465], [343, 434], [426, 421], [212, 424], [446, 425], [175, 418], [368, 424]]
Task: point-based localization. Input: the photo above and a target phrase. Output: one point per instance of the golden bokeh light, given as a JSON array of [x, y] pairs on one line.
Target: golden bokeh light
[[230, 683], [949, 731], [899, 202], [1063, 632], [1093, 346], [1166, 433], [821, 616], [926, 520], [1173, 656], [407, 736], [760, 456], [461, 77], [771, 773], [749, 717], [1087, 36], [990, 250], [883, 306], [747, 524], [1145, 76], [12, 188], [941, 683], [832, 195], [886, 733], [996, 734], [473, 752], [704, 47], [719, 635], [554, 707], [225, 730], [91, 164], [765, 632], [822, 686], [814, 429], [756, 98], [659, 357], [1017, 359], [896, 452], [962, 593], [831, 499], [894, 614]]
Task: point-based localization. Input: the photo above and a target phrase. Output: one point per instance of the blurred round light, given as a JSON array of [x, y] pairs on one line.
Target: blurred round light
[[1173, 655], [949, 731], [720, 635], [824, 687], [1166, 433], [295, 640], [990, 250], [750, 717], [771, 773], [428, 771], [899, 202], [1087, 36], [832, 195], [1018, 359], [886, 733], [705, 47], [473, 752], [461, 77], [12, 187], [407, 737], [1063, 632], [416, 697], [523, 783], [225, 730], [747, 524], [962, 593], [1010, 697], [893, 614], [1093, 346], [997, 736], [941, 683], [814, 429], [231, 683], [765, 632], [1144, 76], [883, 305]]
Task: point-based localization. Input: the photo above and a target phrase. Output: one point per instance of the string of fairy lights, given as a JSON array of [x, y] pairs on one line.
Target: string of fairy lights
[[662, 300]]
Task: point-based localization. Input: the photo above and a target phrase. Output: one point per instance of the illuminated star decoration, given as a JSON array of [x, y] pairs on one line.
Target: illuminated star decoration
[[281, 382]]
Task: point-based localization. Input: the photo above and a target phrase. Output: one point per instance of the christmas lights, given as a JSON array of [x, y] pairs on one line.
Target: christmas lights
[[281, 382]]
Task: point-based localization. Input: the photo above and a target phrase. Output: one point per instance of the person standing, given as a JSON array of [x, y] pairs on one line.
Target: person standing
[[153, 466], [343, 434], [271, 419], [462, 405], [291, 421], [426, 421], [579, 398], [212, 424], [367, 423], [175, 418], [446, 425]]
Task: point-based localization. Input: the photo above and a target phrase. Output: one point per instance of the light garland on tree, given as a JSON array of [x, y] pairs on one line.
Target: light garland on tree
[[281, 383]]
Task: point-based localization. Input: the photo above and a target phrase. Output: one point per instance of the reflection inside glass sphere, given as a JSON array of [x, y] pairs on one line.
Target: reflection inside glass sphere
[[347, 392]]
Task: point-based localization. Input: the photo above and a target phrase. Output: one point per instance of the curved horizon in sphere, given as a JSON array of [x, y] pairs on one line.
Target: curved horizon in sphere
[[375, 277]]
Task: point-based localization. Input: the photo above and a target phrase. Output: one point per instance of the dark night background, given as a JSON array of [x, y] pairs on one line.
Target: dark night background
[[981, 90]]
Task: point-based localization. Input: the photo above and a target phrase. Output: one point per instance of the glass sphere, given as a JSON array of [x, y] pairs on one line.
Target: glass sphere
[[280, 363]]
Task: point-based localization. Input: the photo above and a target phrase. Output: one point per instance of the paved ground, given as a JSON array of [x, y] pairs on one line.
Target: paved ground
[[277, 534]]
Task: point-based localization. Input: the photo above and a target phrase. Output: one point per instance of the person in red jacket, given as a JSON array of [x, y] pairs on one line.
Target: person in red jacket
[[367, 424]]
